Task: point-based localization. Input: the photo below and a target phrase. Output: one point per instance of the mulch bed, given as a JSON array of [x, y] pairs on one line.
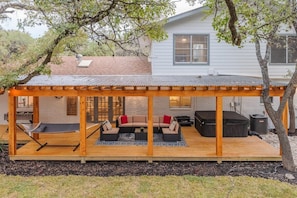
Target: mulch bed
[[271, 170]]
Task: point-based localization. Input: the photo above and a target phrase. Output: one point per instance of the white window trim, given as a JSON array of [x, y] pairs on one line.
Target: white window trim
[[287, 53], [191, 63]]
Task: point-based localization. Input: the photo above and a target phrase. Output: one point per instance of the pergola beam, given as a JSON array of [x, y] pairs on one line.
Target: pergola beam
[[143, 91]]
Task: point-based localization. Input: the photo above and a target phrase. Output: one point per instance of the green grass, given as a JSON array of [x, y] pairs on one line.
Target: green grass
[[143, 186]]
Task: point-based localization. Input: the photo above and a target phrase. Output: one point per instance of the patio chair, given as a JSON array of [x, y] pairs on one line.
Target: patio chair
[[173, 133], [108, 133]]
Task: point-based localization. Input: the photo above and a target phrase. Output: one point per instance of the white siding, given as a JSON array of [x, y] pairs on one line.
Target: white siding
[[223, 58], [136, 105], [3, 107], [54, 110], [50, 110]]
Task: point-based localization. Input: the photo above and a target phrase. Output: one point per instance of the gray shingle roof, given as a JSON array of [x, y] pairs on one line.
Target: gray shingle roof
[[145, 80]]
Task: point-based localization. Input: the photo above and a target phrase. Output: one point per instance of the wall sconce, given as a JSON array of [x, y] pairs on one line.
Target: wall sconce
[[58, 97]]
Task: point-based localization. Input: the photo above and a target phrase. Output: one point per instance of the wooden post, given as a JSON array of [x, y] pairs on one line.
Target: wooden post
[[83, 126], [150, 132], [36, 114], [219, 126], [12, 123]]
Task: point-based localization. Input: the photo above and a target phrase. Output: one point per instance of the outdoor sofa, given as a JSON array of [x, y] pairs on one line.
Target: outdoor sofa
[[128, 123]]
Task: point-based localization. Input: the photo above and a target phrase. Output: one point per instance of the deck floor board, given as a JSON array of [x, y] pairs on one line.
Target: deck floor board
[[198, 148]]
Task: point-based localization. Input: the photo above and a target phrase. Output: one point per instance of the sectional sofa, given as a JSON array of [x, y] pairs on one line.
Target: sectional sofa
[[128, 123]]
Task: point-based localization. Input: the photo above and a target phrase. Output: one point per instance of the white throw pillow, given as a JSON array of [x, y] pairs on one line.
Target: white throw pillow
[[108, 125], [104, 127], [172, 125]]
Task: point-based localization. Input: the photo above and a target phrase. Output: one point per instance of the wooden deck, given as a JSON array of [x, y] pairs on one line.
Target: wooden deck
[[198, 149]]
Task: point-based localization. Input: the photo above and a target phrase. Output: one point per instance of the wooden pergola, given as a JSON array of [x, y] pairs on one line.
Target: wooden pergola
[[148, 86]]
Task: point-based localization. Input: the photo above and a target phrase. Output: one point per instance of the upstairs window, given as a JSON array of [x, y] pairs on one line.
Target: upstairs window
[[284, 50], [191, 49]]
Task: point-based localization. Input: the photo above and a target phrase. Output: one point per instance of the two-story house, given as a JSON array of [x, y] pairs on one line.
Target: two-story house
[[192, 48], [188, 72]]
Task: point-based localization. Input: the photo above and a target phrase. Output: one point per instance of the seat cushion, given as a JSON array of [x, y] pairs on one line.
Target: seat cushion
[[139, 118], [168, 131], [111, 131], [164, 125], [156, 119]]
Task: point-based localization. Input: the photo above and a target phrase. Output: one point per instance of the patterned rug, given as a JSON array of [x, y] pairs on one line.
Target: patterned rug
[[129, 139]]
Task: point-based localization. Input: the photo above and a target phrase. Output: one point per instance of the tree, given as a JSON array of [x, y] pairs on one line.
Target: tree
[[81, 44], [240, 21], [13, 43], [116, 24]]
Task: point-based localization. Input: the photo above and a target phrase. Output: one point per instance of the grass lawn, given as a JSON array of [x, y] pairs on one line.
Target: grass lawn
[[143, 186]]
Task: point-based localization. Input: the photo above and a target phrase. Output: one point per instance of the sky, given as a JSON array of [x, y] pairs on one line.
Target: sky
[[181, 6]]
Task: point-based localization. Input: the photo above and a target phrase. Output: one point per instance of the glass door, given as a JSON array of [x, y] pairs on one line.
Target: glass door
[[104, 108]]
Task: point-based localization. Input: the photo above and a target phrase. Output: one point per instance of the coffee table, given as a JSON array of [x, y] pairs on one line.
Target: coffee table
[[140, 134]]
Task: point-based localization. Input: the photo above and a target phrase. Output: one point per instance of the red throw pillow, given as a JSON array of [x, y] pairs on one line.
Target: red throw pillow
[[166, 119], [124, 119]]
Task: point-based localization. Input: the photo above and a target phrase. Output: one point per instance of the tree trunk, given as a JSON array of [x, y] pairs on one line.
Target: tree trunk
[[292, 112], [276, 116], [287, 157]]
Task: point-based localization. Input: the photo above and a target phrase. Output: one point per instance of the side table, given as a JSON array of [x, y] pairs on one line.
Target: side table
[[140, 135]]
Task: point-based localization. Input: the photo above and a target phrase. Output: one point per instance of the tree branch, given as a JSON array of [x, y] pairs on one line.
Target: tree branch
[[236, 38], [48, 52]]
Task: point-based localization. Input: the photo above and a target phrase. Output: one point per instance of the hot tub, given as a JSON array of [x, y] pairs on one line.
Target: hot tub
[[234, 124]]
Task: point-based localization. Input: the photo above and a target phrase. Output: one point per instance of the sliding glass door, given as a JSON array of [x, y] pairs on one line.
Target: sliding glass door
[[104, 108]]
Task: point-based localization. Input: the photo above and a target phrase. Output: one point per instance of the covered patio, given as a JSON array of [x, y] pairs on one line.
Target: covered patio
[[198, 148]]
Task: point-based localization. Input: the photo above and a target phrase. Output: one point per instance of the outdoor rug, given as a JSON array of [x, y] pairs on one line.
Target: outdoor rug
[[129, 139]]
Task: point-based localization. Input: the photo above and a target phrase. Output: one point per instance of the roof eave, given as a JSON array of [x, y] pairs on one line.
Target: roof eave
[[186, 14]]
